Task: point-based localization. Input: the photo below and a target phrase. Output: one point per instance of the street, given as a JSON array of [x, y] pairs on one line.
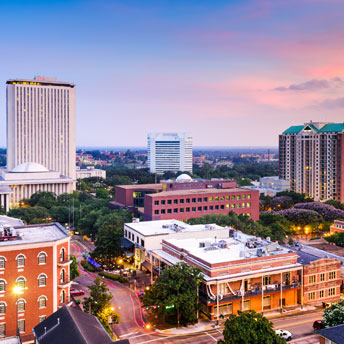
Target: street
[[132, 325]]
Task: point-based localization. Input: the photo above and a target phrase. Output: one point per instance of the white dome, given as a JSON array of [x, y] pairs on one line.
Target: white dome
[[183, 178], [30, 167]]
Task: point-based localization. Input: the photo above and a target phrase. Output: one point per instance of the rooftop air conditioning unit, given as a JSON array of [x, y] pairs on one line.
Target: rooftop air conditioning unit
[[202, 244]]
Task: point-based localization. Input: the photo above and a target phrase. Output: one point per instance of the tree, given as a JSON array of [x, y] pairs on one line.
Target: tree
[[334, 315], [30, 215], [43, 199], [102, 193], [281, 202], [245, 182], [335, 204], [174, 294], [60, 213], [98, 303], [249, 328], [74, 271]]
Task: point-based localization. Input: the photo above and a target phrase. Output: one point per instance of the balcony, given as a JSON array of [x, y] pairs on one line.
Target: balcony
[[64, 282], [64, 261], [268, 289]]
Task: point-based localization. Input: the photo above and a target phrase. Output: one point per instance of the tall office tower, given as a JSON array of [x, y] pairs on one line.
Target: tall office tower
[[169, 152], [41, 124], [311, 157]]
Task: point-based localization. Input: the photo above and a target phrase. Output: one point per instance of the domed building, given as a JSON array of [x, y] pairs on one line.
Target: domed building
[[28, 178]]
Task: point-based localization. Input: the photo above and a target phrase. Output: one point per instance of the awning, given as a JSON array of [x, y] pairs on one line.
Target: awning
[[125, 243], [146, 265]]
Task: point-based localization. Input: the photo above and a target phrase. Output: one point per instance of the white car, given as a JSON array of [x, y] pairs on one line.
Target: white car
[[284, 334]]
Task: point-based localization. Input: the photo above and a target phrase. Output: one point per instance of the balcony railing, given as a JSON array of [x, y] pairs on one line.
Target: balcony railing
[[64, 261], [64, 282]]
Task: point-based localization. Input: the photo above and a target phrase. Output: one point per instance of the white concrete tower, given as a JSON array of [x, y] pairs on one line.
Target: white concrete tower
[[41, 124]]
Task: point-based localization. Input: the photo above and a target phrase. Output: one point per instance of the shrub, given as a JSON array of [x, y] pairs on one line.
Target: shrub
[[113, 277], [86, 265], [328, 212]]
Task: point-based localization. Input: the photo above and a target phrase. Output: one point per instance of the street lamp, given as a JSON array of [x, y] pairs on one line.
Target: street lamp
[[17, 290]]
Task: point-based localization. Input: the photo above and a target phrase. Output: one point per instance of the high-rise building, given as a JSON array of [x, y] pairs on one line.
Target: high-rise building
[[169, 152], [311, 157], [41, 124]]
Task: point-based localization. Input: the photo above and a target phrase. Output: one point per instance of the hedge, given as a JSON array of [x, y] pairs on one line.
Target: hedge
[[113, 277], [86, 265]]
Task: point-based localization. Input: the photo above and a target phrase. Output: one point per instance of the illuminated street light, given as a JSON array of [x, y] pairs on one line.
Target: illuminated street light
[[148, 326]]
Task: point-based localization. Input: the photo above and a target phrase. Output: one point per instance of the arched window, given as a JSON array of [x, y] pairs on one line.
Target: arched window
[[21, 282], [63, 296], [62, 254], [42, 258], [2, 262], [42, 280], [2, 307], [42, 302], [2, 285], [20, 261], [21, 305], [62, 275]]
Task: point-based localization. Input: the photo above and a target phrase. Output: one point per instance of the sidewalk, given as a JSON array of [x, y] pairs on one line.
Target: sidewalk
[[313, 339]]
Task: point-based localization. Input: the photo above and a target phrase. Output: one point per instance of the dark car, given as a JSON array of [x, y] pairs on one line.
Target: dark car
[[318, 325], [77, 292]]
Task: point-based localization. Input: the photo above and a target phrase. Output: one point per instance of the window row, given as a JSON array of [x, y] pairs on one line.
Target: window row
[[21, 325], [21, 281], [21, 304], [42, 259], [312, 279], [203, 199], [322, 294], [204, 208]]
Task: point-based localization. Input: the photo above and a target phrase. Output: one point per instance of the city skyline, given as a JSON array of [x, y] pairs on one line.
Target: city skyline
[[230, 73]]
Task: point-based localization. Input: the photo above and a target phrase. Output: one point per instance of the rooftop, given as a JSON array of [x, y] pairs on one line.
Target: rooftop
[[11, 221], [141, 186], [30, 167], [162, 227], [33, 234], [327, 128], [335, 334], [239, 247], [196, 192], [38, 81]]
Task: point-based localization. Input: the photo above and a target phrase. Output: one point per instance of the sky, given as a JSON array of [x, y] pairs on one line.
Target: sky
[[232, 73]]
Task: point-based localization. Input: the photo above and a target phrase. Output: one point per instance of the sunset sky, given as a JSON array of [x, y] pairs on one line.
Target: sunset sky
[[232, 73]]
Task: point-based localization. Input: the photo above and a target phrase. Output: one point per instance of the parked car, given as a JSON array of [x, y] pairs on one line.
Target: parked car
[[318, 325], [77, 292], [284, 334]]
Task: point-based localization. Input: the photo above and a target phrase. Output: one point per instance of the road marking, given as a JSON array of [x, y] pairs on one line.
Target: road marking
[[211, 336], [140, 335], [127, 334], [297, 323]]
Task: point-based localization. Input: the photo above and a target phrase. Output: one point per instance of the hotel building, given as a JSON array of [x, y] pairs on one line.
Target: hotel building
[[41, 124], [169, 152], [311, 158], [36, 259]]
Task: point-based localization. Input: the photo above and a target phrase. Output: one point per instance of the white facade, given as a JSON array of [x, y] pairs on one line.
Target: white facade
[[41, 124], [90, 172], [169, 152]]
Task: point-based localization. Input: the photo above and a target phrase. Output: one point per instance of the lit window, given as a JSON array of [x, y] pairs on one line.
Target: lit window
[[248, 196], [248, 205], [41, 318], [21, 305], [238, 197], [321, 294], [21, 282], [21, 325], [42, 302], [312, 279], [311, 296]]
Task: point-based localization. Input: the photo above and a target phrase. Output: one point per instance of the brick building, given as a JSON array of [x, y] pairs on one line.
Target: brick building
[[185, 198], [36, 259], [338, 226]]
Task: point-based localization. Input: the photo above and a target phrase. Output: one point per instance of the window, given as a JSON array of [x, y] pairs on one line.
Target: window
[[222, 198], [42, 280], [2, 307], [169, 211], [322, 277], [211, 207], [175, 201], [232, 205], [137, 239], [20, 261], [227, 206], [21, 282], [2, 262], [332, 275], [267, 302], [205, 199], [175, 210], [156, 202], [243, 196], [233, 198], [222, 206], [63, 297], [181, 201], [163, 211], [194, 200], [156, 212], [62, 254], [188, 210], [216, 198], [247, 305], [42, 302], [181, 210], [311, 296], [216, 207], [21, 305], [332, 291], [2, 330], [312, 279], [63, 274], [248, 196], [42, 258], [21, 325], [169, 201], [321, 293], [188, 200], [227, 198], [211, 198], [41, 318], [243, 205], [163, 202], [267, 280], [238, 205], [199, 199], [205, 208], [248, 205], [142, 243], [193, 208]]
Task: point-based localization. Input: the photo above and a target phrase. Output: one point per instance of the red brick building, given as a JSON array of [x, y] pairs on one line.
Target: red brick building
[[338, 226], [185, 198], [36, 259]]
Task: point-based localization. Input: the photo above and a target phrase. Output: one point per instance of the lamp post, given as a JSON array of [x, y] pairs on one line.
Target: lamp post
[[17, 290]]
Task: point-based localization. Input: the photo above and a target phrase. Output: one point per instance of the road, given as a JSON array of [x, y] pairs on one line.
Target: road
[[132, 325]]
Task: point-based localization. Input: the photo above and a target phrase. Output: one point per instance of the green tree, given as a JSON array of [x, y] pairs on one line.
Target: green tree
[[245, 182], [334, 315], [335, 204], [43, 199], [102, 193], [74, 271], [30, 215], [60, 213], [175, 292], [249, 328]]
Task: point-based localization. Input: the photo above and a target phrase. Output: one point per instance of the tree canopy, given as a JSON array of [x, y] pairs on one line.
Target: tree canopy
[[334, 315]]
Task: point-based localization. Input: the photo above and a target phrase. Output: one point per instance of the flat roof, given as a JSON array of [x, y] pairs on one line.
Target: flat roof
[[140, 186], [162, 227], [33, 82], [12, 221], [37, 233], [214, 251], [197, 192]]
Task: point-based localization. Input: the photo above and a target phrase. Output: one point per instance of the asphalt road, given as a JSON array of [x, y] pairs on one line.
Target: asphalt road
[[132, 325]]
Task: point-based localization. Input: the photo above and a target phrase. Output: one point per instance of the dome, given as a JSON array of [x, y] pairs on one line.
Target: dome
[[184, 178], [30, 167]]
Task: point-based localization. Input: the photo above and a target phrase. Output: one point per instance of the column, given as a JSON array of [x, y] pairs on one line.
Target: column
[[281, 305], [217, 301], [262, 294]]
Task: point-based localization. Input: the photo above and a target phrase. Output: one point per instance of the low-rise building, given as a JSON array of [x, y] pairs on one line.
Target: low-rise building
[[90, 172], [338, 226], [270, 186], [35, 259]]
